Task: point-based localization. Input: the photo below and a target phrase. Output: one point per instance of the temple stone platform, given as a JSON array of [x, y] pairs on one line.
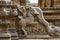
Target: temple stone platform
[[14, 36], [5, 36], [39, 39]]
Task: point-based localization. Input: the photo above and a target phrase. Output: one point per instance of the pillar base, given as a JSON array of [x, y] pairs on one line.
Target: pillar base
[[5, 36]]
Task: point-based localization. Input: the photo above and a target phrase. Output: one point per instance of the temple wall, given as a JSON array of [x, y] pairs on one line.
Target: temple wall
[[56, 3], [51, 10], [16, 2], [48, 3], [22, 2], [50, 6]]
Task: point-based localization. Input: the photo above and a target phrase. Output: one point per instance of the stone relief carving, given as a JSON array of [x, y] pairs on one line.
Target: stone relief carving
[[26, 19], [33, 22], [30, 22], [49, 28]]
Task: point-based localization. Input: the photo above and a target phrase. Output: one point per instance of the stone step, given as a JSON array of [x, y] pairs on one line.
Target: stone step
[[5, 36], [51, 8], [41, 39], [36, 36], [51, 11], [14, 36]]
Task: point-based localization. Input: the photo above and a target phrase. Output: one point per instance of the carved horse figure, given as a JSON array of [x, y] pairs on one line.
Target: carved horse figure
[[25, 18], [28, 18]]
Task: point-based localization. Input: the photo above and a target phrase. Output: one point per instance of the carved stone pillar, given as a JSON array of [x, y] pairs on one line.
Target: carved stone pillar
[[12, 29], [22, 2], [16, 2], [41, 3], [48, 3], [56, 3], [14, 34], [4, 24]]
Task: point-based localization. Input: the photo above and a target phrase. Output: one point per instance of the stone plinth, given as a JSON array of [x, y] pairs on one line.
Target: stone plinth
[[5, 36]]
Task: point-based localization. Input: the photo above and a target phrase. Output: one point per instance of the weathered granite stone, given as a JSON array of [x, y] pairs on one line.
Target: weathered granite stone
[[32, 22]]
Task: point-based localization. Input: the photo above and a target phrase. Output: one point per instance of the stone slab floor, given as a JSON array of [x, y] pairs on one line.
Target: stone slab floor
[[39, 39]]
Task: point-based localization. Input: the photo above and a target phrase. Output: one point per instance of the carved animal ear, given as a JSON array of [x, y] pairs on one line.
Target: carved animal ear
[[31, 10], [22, 9]]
